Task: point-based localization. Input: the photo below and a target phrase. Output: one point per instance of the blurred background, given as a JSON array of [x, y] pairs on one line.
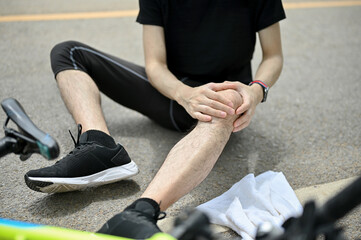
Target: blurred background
[[309, 129]]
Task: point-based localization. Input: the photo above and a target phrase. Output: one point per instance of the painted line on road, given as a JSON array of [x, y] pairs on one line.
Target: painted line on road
[[299, 5], [69, 16], [133, 13]]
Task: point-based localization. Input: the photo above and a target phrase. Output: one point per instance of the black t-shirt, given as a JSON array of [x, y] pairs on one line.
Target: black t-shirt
[[211, 40]]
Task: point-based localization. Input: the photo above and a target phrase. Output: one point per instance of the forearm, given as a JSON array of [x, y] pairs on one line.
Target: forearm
[[272, 57], [156, 63], [164, 81], [269, 70]]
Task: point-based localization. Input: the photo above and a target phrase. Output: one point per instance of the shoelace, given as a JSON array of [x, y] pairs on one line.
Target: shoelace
[[76, 143], [161, 215]]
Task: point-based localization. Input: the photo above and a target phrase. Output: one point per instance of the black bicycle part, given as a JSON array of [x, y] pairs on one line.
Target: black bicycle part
[[306, 228], [29, 139], [7, 145], [192, 225], [341, 204], [318, 221]]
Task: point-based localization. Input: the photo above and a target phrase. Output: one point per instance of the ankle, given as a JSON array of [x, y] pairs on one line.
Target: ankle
[[100, 137], [101, 127], [145, 205]]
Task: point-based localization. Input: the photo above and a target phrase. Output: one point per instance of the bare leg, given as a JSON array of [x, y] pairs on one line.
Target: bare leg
[[82, 98], [192, 158]]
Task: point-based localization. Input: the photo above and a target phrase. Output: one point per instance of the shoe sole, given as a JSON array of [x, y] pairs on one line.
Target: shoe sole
[[57, 185]]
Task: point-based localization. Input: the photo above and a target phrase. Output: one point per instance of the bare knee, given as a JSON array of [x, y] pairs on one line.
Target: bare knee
[[237, 101], [234, 96]]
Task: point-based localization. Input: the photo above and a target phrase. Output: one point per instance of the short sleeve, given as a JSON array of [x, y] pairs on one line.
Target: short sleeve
[[268, 12], [150, 13]]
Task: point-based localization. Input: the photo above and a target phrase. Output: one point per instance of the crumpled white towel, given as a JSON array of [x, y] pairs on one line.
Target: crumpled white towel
[[252, 201]]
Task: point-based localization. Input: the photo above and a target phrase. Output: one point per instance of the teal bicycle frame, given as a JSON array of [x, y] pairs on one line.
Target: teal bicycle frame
[[16, 230]]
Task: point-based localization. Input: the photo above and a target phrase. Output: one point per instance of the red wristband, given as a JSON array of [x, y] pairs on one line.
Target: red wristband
[[264, 87], [259, 82]]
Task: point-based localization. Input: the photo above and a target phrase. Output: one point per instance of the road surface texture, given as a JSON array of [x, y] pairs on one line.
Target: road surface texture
[[309, 129]]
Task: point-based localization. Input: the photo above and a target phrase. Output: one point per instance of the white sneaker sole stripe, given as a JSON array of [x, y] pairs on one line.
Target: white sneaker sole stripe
[[104, 177]]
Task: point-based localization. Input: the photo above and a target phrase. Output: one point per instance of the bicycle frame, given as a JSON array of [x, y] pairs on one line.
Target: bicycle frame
[[16, 230]]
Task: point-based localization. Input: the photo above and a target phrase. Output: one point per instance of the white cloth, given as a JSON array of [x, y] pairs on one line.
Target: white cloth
[[252, 201]]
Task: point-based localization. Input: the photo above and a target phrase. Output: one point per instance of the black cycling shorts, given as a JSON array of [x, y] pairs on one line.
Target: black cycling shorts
[[124, 82]]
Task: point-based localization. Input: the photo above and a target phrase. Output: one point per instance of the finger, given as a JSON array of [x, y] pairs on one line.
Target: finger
[[220, 98], [241, 127], [244, 107], [236, 129], [241, 120], [220, 106], [202, 117], [245, 117], [222, 86], [211, 111]]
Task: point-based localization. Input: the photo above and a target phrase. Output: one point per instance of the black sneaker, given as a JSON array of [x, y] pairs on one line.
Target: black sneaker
[[138, 221], [91, 163]]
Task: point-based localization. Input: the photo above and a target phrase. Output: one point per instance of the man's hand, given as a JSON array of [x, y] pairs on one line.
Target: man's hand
[[204, 102], [252, 96]]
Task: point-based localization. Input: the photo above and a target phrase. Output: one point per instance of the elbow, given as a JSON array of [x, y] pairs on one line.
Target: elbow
[[151, 69], [280, 61], [275, 59]]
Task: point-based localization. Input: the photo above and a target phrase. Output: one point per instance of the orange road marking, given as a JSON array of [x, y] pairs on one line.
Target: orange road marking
[[133, 13], [298, 5], [68, 16]]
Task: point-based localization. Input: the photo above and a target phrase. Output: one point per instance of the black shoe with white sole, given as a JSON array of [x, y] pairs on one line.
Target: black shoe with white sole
[[96, 160], [137, 221]]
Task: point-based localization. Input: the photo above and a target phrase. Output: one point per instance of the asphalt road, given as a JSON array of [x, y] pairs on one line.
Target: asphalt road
[[309, 128]]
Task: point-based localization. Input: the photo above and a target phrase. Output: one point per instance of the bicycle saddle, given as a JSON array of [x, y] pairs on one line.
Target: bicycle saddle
[[36, 140]]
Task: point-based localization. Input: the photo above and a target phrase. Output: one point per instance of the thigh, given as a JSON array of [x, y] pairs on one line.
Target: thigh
[[124, 82]]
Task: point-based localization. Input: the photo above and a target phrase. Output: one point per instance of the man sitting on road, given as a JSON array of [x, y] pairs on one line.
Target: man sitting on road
[[197, 73]]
